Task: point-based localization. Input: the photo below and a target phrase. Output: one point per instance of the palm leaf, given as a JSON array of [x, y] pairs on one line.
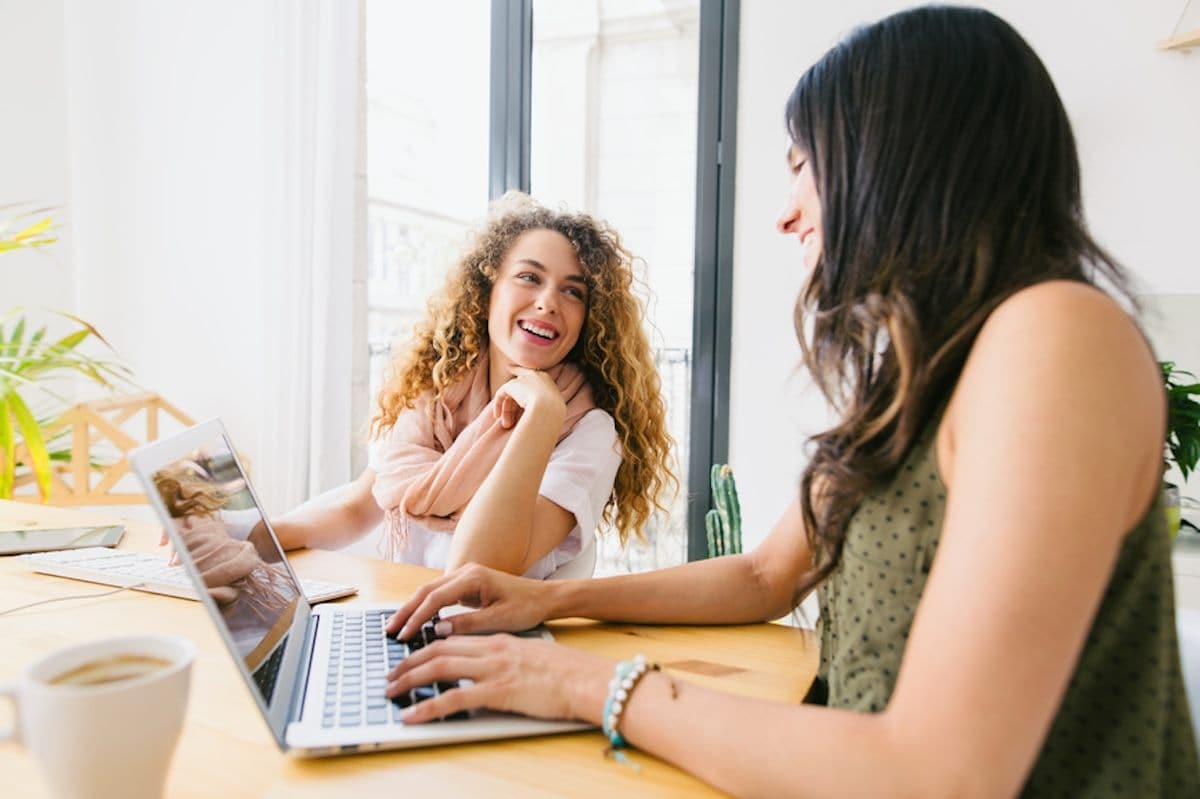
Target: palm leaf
[[9, 445], [32, 235], [33, 442], [33, 230], [37, 337]]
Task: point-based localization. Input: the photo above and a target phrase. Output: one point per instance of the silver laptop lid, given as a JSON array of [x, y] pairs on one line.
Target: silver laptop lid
[[215, 521]]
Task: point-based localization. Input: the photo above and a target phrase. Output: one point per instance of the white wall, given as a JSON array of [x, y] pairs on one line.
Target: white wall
[[167, 180], [34, 164], [1136, 114]]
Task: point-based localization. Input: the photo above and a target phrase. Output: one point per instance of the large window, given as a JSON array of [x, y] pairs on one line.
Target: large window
[[615, 107]]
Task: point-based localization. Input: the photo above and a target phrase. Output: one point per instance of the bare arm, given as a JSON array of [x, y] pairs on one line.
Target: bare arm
[[333, 519], [737, 589], [507, 525]]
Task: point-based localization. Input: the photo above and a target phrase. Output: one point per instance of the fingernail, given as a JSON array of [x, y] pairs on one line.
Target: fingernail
[[408, 714], [443, 628]]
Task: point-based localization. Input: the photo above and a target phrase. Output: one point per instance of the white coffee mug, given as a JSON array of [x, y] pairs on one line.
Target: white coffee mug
[[102, 718]]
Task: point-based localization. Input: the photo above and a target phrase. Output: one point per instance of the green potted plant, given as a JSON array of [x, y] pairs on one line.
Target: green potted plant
[[33, 363], [1183, 432]]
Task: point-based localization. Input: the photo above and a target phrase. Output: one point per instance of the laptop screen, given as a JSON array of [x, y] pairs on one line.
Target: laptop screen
[[215, 516]]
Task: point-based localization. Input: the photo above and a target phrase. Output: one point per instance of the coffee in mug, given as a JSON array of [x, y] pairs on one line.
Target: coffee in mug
[[122, 666], [103, 718]]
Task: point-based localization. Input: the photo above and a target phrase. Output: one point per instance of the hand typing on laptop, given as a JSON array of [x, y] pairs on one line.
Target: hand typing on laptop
[[504, 603], [506, 673]]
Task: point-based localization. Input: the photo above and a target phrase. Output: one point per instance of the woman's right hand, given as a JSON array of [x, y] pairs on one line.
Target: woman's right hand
[[505, 603], [527, 388]]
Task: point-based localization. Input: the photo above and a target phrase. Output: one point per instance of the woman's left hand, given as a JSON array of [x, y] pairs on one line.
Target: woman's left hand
[[511, 674], [528, 389]]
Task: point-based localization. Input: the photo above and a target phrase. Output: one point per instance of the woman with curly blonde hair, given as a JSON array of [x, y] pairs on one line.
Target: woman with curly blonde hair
[[527, 410]]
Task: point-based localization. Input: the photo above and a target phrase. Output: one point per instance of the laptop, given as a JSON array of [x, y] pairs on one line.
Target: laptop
[[318, 673]]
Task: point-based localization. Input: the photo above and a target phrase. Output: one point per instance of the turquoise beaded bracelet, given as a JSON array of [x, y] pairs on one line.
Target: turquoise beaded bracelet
[[625, 678]]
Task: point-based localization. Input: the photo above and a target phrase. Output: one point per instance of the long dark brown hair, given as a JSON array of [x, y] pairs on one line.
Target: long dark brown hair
[[948, 180]]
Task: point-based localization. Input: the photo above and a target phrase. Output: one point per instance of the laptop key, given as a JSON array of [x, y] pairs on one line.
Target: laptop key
[[377, 716]]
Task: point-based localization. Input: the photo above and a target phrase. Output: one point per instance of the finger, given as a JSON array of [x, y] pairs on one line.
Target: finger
[[450, 590], [464, 697], [405, 612], [458, 646], [443, 668], [483, 620]]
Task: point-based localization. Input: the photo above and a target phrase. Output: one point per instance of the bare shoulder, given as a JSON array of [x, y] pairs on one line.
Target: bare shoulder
[[1061, 301], [1065, 336], [1063, 365]]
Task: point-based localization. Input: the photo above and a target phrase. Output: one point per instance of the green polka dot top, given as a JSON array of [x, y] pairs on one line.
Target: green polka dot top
[[1123, 728]]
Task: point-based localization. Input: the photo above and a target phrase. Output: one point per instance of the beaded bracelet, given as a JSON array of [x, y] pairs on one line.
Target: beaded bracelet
[[625, 678]]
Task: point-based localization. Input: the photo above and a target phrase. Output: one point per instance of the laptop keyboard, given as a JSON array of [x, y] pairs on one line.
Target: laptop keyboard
[[266, 674], [361, 654]]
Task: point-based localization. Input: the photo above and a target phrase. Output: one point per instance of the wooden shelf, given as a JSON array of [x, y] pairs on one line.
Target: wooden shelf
[[1182, 41]]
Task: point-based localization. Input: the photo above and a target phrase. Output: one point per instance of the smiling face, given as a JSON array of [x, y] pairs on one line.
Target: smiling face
[[538, 304], [802, 212]]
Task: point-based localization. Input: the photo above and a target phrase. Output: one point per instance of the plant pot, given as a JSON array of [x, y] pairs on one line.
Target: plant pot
[[1171, 508]]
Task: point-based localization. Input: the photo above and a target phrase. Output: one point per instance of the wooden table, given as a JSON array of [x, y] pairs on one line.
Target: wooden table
[[226, 749]]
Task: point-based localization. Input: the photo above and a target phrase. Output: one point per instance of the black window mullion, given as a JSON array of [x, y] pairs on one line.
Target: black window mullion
[[713, 299]]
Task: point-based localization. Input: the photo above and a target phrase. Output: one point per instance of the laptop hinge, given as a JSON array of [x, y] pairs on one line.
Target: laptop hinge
[[300, 689]]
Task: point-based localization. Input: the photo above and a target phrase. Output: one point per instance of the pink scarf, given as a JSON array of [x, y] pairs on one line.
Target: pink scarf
[[430, 468]]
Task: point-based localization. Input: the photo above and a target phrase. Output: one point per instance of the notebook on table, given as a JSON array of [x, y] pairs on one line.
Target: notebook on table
[[316, 674]]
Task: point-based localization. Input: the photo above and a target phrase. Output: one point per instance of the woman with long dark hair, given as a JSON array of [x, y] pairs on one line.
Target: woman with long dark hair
[[982, 524]]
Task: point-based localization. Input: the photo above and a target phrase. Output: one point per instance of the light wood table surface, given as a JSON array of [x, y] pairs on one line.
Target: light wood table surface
[[227, 751]]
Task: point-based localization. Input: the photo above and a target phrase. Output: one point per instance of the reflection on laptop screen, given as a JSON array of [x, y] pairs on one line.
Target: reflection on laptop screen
[[217, 519]]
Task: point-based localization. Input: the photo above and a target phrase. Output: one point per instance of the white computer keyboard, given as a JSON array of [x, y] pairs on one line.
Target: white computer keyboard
[[147, 571]]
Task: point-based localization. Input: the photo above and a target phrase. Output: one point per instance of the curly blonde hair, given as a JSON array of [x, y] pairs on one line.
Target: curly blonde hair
[[613, 350], [186, 491]]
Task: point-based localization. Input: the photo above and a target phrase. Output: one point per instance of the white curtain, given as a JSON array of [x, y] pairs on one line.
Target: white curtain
[[311, 105], [212, 196]]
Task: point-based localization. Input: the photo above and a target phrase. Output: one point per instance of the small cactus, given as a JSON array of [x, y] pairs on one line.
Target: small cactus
[[723, 524]]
